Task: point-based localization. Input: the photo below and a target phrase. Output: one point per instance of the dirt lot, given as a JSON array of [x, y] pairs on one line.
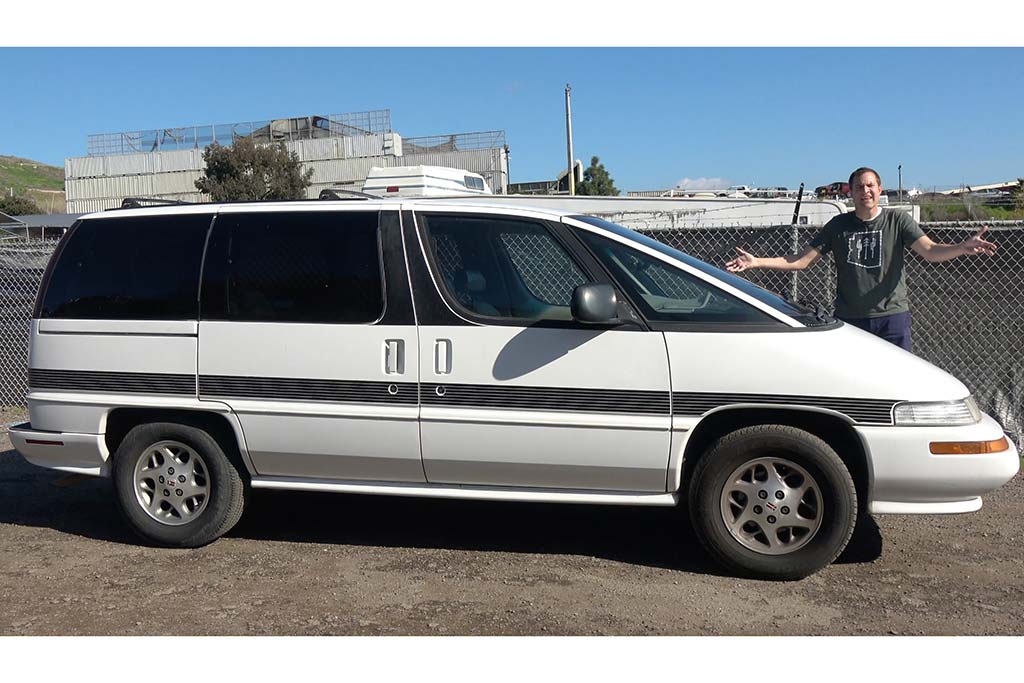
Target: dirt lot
[[320, 564]]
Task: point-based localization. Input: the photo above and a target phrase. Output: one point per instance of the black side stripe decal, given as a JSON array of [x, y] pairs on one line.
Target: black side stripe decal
[[860, 410], [119, 382], [556, 399], [301, 389]]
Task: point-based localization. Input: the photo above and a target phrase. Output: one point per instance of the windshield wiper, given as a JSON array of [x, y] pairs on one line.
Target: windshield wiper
[[808, 308], [822, 315]]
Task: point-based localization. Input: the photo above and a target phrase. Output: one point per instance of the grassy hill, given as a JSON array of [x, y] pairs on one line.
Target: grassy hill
[[25, 174], [43, 184]]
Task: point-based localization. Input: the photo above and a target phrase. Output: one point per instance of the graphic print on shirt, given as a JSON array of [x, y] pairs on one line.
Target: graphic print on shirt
[[864, 249]]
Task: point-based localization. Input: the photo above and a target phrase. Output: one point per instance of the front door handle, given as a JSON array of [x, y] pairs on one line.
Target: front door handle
[[394, 357]]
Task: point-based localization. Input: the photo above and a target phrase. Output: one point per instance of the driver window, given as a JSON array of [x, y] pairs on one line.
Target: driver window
[[666, 293], [502, 268]]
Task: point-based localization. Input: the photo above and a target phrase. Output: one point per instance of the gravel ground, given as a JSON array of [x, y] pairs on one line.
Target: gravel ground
[[321, 564]]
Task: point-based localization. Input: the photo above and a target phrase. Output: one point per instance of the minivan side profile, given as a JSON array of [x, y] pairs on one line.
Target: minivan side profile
[[470, 349]]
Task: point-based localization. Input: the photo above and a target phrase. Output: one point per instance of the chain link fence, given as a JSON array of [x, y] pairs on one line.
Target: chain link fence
[[967, 314], [22, 263]]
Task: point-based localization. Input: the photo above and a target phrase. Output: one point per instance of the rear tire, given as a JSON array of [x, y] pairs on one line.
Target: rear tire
[[175, 486], [772, 502]]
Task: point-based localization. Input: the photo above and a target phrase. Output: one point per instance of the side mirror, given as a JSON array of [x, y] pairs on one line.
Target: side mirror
[[593, 303]]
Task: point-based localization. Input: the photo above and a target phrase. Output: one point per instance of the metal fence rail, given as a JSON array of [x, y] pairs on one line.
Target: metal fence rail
[[967, 313], [489, 139], [270, 130]]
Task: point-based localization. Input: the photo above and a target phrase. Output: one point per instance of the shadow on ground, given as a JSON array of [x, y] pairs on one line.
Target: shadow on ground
[[75, 504], [655, 537], [865, 545]]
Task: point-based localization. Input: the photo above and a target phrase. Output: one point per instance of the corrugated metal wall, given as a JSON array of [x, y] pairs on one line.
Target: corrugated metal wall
[[492, 164], [184, 160], [325, 149], [92, 205], [101, 182], [309, 150]]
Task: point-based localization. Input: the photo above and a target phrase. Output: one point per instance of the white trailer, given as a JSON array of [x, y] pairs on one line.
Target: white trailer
[[424, 181]]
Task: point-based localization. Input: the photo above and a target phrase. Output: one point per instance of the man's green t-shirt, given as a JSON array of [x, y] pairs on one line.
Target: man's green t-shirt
[[869, 257]]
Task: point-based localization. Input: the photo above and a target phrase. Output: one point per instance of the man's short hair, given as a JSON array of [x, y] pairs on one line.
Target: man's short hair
[[861, 171]]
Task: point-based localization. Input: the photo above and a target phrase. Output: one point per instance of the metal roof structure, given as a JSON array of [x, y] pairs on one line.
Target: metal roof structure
[[9, 220], [52, 220]]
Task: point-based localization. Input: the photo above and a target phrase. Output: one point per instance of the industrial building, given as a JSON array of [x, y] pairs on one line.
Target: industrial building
[[165, 162]]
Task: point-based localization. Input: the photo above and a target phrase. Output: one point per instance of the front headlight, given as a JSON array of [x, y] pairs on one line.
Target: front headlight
[[938, 413]]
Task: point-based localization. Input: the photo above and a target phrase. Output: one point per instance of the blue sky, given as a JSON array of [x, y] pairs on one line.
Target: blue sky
[[655, 116]]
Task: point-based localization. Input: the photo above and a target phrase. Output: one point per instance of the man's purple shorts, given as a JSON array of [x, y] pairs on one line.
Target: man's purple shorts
[[894, 328]]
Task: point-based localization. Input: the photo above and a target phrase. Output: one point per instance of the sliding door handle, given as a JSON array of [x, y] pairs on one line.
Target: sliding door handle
[[443, 357]]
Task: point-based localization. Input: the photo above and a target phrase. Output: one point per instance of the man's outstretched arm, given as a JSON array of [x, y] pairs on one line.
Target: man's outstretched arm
[[934, 252], [747, 261]]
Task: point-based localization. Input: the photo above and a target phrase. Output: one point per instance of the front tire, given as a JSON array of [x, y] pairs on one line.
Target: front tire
[[773, 502], [175, 486]]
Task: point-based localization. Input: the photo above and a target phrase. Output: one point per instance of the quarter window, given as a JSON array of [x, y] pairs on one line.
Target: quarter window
[[315, 267], [137, 268]]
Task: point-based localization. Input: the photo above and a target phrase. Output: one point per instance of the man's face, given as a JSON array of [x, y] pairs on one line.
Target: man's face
[[866, 191]]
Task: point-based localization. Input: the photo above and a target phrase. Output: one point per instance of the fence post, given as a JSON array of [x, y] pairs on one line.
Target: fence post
[[794, 285]]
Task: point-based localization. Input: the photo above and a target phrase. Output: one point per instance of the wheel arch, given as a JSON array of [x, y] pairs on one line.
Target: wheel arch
[[832, 428], [223, 427]]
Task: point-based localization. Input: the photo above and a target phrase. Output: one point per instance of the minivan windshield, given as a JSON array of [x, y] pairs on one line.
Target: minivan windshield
[[800, 312]]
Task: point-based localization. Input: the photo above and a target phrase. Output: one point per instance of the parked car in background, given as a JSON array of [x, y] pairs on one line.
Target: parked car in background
[[836, 190]]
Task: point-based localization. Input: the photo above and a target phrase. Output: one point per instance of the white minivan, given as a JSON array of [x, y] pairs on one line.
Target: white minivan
[[463, 348]]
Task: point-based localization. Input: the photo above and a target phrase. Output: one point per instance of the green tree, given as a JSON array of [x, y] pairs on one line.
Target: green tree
[[18, 206], [1018, 195], [596, 181], [250, 172]]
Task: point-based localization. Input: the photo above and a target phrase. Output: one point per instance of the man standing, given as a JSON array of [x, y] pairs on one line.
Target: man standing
[[868, 247]]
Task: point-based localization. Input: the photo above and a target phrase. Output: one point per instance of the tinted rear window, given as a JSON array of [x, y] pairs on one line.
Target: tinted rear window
[[137, 268], [316, 267]]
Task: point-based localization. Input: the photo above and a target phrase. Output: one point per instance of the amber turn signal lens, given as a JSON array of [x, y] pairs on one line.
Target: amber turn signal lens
[[968, 447]]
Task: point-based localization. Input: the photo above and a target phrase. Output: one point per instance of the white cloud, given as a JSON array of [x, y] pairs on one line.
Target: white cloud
[[703, 184]]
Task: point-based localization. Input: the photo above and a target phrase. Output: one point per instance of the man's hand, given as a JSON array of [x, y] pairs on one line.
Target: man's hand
[[742, 262], [976, 245]]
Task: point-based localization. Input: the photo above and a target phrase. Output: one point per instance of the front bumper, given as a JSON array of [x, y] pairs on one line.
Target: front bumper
[[69, 452], [908, 479]]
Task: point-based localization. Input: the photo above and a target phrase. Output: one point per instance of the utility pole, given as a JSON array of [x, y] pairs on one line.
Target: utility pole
[[900, 169], [571, 178]]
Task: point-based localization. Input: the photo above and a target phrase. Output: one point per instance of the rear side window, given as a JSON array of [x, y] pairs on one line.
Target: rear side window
[[313, 267], [132, 268]]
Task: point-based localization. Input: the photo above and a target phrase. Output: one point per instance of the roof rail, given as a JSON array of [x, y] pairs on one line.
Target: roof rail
[[339, 193], [141, 202]]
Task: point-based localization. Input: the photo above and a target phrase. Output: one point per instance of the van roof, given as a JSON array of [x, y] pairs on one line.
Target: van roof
[[488, 202]]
